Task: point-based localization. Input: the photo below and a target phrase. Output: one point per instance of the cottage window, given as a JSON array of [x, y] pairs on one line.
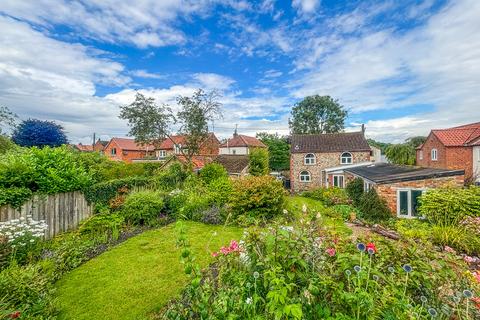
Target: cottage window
[[366, 186], [420, 154], [178, 148], [305, 176], [310, 159], [162, 153], [113, 151], [407, 202], [346, 158], [338, 181], [434, 155]]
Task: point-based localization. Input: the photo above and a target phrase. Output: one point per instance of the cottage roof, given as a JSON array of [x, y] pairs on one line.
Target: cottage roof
[[168, 144], [382, 173], [130, 144], [234, 164], [466, 135], [240, 140], [84, 147], [329, 142]]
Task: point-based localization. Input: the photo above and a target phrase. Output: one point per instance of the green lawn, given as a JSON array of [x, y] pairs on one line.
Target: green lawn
[[138, 276]]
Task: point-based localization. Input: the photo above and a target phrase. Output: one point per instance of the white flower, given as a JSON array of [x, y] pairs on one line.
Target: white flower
[[249, 300], [287, 228], [304, 208]]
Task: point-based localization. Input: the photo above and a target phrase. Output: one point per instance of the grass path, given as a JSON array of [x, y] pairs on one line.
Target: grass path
[[137, 277]]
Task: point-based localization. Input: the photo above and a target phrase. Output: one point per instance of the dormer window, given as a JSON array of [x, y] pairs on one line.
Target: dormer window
[[434, 155], [346, 158], [309, 159]]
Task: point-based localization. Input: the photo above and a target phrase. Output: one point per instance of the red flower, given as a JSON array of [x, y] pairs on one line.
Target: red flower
[[15, 315], [371, 245], [330, 251]]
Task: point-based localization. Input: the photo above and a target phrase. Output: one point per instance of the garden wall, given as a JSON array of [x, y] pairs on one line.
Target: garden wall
[[61, 211]]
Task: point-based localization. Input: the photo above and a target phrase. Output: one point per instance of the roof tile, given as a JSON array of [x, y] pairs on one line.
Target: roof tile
[[329, 142]]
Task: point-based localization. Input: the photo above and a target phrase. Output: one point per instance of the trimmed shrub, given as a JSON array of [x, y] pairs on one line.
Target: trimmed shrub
[[449, 206], [219, 191], [372, 207], [212, 172], [258, 165], [329, 196], [257, 197], [354, 190], [15, 196], [103, 192], [103, 225], [143, 208]]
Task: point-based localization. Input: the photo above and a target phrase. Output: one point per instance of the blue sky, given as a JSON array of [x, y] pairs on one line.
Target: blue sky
[[400, 67]]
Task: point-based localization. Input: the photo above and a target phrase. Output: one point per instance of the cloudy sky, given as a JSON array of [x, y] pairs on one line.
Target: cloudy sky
[[401, 69]]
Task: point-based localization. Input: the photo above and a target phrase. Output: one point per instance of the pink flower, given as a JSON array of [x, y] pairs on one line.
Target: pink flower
[[449, 250], [234, 246], [214, 254], [330, 252], [476, 274], [468, 259]]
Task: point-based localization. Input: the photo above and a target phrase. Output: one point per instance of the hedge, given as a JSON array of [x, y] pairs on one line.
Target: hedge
[[102, 192]]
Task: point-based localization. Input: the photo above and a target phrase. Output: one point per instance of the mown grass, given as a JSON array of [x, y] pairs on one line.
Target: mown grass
[[137, 277]]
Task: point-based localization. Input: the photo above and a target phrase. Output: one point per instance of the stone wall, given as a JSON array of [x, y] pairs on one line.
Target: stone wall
[[324, 160]]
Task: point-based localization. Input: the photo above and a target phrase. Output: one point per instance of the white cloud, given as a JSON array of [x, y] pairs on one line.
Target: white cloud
[[210, 81], [305, 6], [145, 74]]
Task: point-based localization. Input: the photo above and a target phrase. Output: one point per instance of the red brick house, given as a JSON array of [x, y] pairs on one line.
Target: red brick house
[[124, 149], [240, 144], [401, 186], [319, 160], [98, 146], [175, 144], [453, 148]]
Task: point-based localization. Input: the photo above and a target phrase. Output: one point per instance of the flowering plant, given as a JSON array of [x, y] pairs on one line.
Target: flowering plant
[[22, 236]]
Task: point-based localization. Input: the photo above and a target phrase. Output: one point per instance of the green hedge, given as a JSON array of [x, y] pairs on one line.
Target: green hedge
[[102, 192]]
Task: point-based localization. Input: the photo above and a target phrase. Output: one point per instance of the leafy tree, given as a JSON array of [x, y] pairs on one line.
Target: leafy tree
[[402, 153], [5, 144], [7, 119], [317, 114], [212, 172], [354, 190], [380, 145], [152, 124], [373, 207], [416, 141], [278, 150], [258, 165], [38, 133]]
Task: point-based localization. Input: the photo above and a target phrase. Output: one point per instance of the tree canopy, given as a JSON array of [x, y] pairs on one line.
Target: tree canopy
[[38, 133], [404, 153], [258, 165], [317, 114], [278, 150]]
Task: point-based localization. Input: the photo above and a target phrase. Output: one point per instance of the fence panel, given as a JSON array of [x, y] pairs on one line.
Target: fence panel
[[61, 211]]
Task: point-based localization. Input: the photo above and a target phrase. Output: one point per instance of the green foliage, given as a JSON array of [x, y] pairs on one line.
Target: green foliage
[[354, 190], [449, 206], [143, 207], [373, 207], [403, 154], [380, 145], [15, 196], [171, 178], [456, 237], [414, 229], [317, 114], [329, 196], [27, 289], [103, 225], [212, 172], [278, 150], [346, 211], [5, 144], [258, 163], [291, 273], [103, 192], [257, 198]]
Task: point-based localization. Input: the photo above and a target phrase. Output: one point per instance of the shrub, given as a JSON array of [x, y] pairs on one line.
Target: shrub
[[373, 208], [171, 178], [329, 196], [219, 191], [33, 132], [103, 192], [212, 172], [15, 196], [257, 197], [258, 164], [449, 206], [354, 190], [102, 225], [143, 208], [5, 144], [414, 229], [28, 290], [456, 237], [346, 211]]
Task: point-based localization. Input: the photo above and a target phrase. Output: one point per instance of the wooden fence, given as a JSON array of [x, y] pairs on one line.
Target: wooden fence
[[61, 211]]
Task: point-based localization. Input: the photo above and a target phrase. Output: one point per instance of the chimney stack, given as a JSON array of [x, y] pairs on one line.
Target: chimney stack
[[363, 128]]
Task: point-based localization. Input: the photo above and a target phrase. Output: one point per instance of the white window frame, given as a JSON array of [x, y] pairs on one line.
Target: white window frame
[[162, 154], [304, 176], [409, 202], [338, 176], [420, 154], [434, 154], [367, 186], [309, 161], [113, 151], [178, 148], [344, 157]]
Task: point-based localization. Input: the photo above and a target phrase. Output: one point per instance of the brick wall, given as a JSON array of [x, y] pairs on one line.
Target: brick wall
[[389, 191], [432, 142], [460, 158], [124, 155], [324, 160]]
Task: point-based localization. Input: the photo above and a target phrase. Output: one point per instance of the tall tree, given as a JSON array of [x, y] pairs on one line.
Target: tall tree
[[416, 141], [402, 153], [195, 114], [7, 119], [278, 150], [258, 164], [317, 114], [38, 133]]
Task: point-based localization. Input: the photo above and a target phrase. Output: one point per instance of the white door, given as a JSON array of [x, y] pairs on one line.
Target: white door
[[476, 163]]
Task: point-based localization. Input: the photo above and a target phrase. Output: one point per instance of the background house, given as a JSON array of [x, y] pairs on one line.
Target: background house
[[174, 146], [98, 146], [240, 144], [401, 186], [312, 154], [453, 148], [236, 165], [123, 149]]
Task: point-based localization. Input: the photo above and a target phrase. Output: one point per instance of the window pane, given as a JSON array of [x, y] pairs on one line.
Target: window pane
[[415, 195], [403, 201]]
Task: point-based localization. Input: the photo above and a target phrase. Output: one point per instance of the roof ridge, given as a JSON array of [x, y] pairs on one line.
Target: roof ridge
[[328, 133]]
